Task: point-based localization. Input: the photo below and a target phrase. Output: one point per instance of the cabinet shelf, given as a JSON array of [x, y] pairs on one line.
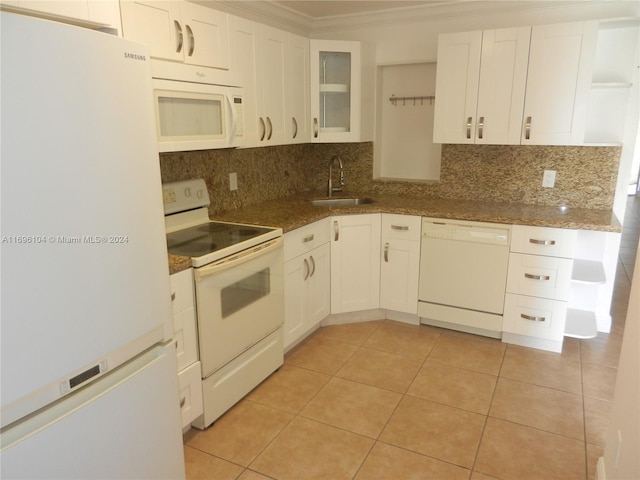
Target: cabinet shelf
[[580, 324], [588, 272], [334, 88]]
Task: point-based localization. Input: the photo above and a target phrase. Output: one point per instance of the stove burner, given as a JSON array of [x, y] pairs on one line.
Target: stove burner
[[210, 237]]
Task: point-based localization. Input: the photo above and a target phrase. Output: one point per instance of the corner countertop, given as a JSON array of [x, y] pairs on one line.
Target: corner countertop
[[295, 211]]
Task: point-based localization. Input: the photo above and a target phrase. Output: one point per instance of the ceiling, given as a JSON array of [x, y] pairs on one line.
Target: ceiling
[[318, 9]]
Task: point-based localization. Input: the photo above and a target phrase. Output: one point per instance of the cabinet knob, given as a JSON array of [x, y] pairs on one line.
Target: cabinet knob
[[536, 277], [264, 128], [315, 128], [386, 252], [480, 127], [295, 126], [542, 242], [527, 129], [313, 265], [469, 121], [270, 128], [336, 231]]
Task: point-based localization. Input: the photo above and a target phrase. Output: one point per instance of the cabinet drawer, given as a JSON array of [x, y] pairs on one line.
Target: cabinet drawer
[[304, 239], [182, 296], [534, 317], [401, 227], [538, 276], [190, 383], [551, 242], [184, 326]]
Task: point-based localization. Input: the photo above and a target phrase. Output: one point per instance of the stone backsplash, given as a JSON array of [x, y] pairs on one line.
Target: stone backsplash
[[585, 176]]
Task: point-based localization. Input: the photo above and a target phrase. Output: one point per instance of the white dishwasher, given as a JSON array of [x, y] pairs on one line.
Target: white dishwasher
[[463, 274]]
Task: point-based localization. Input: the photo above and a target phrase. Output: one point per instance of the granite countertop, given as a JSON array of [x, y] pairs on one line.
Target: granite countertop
[[295, 211]]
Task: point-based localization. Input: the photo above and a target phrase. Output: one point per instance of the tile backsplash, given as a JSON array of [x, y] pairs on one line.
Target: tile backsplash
[[585, 176]]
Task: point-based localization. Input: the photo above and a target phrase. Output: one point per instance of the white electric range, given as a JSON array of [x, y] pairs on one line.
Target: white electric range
[[239, 283]]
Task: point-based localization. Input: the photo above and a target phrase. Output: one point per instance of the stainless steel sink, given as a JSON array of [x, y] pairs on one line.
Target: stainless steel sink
[[340, 202]]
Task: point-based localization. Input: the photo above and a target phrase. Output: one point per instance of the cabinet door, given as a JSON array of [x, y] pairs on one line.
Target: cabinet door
[[503, 77], [295, 271], [206, 36], [400, 263], [336, 91], [558, 82], [399, 271], [271, 93], [457, 77], [156, 24], [355, 263], [244, 58], [318, 291], [298, 118]]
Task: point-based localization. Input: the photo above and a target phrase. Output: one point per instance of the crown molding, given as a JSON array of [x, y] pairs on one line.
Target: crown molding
[[277, 15]]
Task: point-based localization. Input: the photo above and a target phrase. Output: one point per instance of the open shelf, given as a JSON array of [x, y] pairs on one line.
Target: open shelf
[[588, 272], [580, 324]]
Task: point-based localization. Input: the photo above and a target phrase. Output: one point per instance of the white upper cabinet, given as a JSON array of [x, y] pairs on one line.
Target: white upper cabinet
[[271, 91], [527, 85], [503, 76], [297, 116], [342, 91], [104, 12], [480, 84], [558, 83], [178, 31], [272, 66]]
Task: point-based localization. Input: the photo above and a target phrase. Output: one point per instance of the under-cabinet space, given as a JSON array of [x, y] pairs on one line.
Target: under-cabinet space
[[404, 148], [592, 281]]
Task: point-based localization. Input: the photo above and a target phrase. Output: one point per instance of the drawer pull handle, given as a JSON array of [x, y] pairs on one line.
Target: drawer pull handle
[[386, 252], [542, 242], [307, 239], [537, 277], [532, 318], [404, 228], [480, 128], [469, 120]]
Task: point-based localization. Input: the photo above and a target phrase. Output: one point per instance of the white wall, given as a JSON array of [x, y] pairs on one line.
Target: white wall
[[621, 459]]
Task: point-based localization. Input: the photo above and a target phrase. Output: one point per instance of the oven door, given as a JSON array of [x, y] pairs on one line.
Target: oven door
[[240, 300]]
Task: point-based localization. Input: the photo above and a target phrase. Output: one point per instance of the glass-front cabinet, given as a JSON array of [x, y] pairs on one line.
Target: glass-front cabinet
[[342, 91]]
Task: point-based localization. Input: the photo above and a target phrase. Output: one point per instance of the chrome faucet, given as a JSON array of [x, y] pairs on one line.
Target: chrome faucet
[[330, 187]]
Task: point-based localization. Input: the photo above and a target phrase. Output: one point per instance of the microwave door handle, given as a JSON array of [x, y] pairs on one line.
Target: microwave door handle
[[232, 116], [238, 259]]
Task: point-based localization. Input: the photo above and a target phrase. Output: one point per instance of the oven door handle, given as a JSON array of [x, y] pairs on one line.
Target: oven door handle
[[238, 258]]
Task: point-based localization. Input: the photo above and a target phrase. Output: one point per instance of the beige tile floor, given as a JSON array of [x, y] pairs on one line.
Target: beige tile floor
[[386, 400]]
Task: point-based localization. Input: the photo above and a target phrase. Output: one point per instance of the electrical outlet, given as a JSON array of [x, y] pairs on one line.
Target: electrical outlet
[[233, 181], [549, 178]]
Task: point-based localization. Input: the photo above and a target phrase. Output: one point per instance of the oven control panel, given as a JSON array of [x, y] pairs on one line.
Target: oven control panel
[[184, 195]]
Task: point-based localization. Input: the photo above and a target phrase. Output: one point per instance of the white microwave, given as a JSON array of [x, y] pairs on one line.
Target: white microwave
[[197, 116]]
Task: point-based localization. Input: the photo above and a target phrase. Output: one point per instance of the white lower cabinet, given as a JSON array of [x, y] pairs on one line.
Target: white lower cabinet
[[184, 325], [307, 280], [400, 263], [538, 286], [355, 262]]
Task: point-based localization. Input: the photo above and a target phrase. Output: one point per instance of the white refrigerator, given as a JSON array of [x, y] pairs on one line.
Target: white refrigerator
[[88, 369]]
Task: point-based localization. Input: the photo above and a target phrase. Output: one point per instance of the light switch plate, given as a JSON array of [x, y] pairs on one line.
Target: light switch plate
[[549, 178], [233, 181]]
